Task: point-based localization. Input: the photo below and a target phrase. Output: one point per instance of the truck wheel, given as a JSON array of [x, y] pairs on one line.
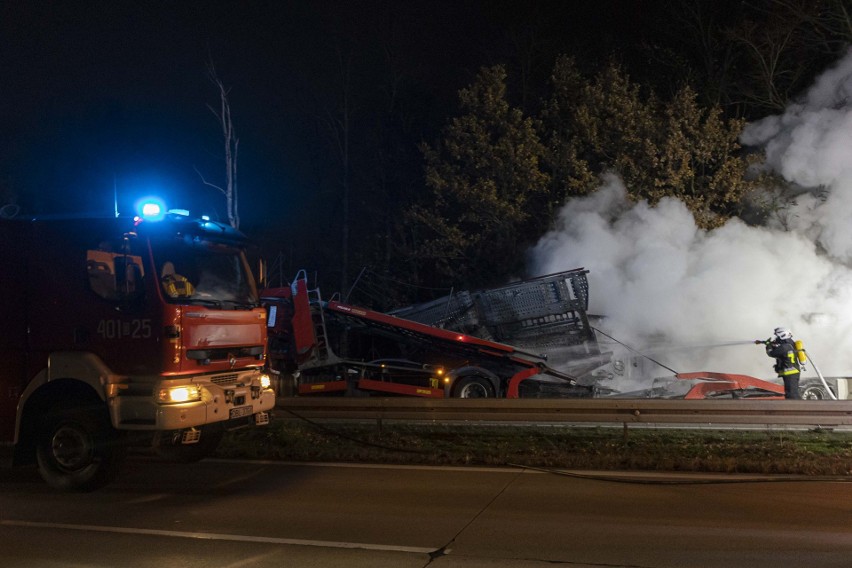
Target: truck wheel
[[814, 393], [168, 445], [78, 450], [473, 387]]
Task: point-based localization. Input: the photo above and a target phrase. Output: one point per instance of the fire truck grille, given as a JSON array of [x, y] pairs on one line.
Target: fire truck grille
[[224, 379], [223, 354]]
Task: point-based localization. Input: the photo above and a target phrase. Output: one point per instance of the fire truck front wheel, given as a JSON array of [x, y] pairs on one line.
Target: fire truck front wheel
[[78, 450], [473, 387]]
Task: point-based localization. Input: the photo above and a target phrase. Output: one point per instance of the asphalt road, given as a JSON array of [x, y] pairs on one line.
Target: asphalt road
[[240, 514]]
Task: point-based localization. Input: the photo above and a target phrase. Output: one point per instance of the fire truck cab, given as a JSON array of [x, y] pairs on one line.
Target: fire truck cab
[[125, 330]]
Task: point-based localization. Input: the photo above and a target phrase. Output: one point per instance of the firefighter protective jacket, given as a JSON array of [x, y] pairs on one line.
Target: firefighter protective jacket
[[784, 352]]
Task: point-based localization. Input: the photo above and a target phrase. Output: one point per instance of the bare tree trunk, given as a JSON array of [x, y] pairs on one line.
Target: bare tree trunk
[[337, 123], [345, 126], [232, 147]]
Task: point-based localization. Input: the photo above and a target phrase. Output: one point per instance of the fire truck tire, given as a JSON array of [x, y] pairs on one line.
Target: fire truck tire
[[78, 450], [473, 387], [170, 448]]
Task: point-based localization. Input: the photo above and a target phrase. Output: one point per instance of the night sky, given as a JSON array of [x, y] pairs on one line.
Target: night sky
[[97, 95]]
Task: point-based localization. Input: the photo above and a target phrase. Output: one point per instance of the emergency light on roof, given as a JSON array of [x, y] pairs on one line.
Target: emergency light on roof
[[151, 209], [154, 209]]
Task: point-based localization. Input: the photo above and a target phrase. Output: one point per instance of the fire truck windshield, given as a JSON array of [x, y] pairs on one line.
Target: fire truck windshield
[[200, 271]]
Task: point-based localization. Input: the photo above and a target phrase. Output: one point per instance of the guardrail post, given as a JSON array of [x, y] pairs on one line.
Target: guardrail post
[[624, 433]]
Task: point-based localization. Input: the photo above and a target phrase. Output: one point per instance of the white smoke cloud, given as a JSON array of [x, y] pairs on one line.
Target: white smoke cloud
[[660, 280], [811, 145]]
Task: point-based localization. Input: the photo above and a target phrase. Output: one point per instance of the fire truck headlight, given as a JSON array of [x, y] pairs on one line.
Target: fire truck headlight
[[179, 394], [265, 381]]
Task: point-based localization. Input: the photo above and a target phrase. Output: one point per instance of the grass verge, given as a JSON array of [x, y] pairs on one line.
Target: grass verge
[[815, 452]]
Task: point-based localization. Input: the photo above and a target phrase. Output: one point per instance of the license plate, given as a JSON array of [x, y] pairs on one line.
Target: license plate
[[240, 411]]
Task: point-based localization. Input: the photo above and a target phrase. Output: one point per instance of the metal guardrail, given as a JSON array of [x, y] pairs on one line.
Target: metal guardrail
[[627, 411]]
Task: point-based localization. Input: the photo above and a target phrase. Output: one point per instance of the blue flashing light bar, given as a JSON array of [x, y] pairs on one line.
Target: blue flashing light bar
[[151, 208]]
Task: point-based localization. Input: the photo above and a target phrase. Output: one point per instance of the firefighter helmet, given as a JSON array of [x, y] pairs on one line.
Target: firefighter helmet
[[783, 333]]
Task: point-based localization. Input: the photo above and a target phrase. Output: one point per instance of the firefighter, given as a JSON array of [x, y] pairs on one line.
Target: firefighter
[[175, 285], [787, 364]]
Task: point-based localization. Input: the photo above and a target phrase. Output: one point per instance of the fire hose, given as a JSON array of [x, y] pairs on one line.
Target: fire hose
[[821, 378]]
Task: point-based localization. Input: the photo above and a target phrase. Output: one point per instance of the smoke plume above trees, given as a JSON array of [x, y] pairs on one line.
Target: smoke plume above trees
[[661, 281]]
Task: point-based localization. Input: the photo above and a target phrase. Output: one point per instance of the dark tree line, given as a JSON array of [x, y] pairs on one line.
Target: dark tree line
[[430, 142], [460, 207], [437, 163]]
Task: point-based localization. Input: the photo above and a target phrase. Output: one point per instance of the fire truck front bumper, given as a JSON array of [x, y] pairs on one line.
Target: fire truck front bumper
[[189, 402]]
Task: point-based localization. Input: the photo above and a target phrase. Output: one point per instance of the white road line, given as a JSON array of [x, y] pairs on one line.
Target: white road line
[[216, 536], [458, 468]]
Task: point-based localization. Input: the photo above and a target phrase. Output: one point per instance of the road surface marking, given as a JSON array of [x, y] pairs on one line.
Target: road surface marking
[[459, 468], [219, 536]]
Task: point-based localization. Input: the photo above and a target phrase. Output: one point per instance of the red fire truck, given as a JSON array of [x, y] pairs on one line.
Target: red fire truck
[[125, 330]]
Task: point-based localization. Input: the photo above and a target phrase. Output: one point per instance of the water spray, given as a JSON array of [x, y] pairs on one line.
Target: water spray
[[691, 346], [729, 343], [713, 345]]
